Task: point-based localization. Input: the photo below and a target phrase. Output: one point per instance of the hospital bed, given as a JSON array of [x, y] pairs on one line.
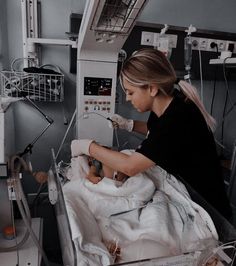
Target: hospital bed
[[73, 256]]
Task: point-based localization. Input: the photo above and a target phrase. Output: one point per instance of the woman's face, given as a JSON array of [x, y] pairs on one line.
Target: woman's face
[[140, 98]]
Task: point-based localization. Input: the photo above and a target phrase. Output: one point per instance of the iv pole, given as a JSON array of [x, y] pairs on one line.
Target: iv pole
[[188, 52]]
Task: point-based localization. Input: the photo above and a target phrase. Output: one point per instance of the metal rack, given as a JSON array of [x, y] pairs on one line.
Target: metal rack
[[45, 87]]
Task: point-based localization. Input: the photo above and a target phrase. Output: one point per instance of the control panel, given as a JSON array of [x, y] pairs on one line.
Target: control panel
[[96, 90], [96, 104], [97, 95]]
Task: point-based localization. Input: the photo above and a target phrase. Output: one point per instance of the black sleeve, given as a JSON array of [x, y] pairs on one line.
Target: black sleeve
[[158, 147]]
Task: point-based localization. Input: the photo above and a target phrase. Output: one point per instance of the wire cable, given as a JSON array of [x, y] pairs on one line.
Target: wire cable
[[37, 85], [223, 121], [13, 182], [39, 191], [226, 80], [22, 203], [116, 137], [14, 232], [201, 76], [227, 97], [214, 84], [21, 59], [66, 133], [228, 245]]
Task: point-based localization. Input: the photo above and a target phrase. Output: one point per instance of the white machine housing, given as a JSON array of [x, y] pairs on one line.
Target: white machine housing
[[7, 148], [105, 27]]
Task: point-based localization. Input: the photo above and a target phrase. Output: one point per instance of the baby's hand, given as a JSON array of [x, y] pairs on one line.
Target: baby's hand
[[94, 179], [92, 175]]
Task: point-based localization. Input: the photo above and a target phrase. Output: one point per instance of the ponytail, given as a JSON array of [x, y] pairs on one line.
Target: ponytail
[[191, 93], [151, 66]]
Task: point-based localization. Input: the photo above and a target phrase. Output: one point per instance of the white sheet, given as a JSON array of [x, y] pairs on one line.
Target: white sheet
[[171, 224]]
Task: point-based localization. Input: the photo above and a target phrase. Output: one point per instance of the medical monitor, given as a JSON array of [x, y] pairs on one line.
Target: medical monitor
[[97, 86]]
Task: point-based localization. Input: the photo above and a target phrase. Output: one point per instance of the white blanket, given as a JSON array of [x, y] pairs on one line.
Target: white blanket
[[159, 217]]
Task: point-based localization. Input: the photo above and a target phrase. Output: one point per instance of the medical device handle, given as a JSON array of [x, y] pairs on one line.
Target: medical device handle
[[49, 120], [30, 146]]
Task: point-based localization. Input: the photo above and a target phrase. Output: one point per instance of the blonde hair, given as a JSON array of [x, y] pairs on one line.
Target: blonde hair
[[148, 66]]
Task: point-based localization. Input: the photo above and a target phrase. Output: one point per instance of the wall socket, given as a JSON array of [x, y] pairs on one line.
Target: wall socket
[[147, 38], [205, 44], [151, 38]]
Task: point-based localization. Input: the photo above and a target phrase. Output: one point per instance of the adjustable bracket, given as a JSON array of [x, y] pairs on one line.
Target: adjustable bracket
[[30, 31], [29, 147]]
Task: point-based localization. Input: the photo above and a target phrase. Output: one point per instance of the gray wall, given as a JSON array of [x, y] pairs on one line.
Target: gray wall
[[3, 36], [55, 22], [215, 15]]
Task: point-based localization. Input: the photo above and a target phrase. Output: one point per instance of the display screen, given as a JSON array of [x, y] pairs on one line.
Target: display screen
[[97, 86]]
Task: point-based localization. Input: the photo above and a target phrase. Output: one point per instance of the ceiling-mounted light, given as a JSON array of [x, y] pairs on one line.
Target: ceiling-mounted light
[[116, 16]]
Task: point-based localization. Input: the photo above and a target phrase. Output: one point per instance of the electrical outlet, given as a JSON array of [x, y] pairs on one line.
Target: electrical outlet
[[221, 45], [147, 38], [195, 43], [203, 44], [200, 43], [212, 45], [162, 44], [172, 40], [230, 46], [151, 38]]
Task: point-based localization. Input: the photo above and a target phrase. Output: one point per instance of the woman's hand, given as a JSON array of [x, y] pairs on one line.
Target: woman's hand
[[80, 147], [121, 122]]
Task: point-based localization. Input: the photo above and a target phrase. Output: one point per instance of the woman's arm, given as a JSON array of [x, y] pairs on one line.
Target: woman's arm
[[127, 164]]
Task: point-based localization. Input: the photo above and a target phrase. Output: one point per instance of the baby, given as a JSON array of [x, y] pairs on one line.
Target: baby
[[98, 170]]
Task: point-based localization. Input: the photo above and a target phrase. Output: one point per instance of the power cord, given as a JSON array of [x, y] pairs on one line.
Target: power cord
[[227, 97], [214, 45], [22, 202], [201, 76]]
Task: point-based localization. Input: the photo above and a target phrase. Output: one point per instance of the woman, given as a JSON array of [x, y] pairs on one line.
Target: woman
[[179, 129]]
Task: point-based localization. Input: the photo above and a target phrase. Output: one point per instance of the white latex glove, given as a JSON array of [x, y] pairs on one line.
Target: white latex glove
[[80, 146], [123, 123]]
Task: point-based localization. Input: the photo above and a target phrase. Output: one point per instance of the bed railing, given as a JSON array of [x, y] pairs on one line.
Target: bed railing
[[64, 231]]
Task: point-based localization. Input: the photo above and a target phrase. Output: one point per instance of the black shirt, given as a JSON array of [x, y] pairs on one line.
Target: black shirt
[[180, 142]]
